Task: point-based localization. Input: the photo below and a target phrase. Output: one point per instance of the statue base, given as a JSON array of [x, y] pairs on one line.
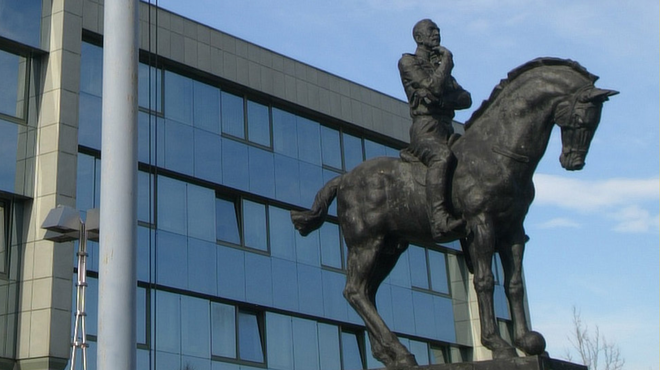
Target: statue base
[[516, 363]]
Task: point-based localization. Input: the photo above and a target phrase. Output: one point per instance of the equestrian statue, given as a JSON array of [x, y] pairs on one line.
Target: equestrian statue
[[476, 188]]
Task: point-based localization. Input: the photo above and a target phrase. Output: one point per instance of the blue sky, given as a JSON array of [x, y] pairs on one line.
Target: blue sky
[[594, 233]]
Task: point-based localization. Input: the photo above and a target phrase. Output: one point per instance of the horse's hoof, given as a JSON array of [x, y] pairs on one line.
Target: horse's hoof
[[532, 343], [507, 352]]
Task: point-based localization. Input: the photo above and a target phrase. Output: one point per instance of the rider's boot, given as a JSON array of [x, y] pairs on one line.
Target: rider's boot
[[442, 221]]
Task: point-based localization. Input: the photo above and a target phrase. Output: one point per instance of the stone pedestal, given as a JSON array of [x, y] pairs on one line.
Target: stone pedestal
[[520, 363]]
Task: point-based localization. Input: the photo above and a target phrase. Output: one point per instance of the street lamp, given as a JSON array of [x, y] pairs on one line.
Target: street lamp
[[64, 224]]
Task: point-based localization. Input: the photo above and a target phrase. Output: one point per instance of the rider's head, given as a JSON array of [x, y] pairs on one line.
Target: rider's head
[[426, 33]]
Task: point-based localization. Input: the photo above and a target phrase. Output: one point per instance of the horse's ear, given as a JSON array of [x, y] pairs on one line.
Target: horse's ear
[[597, 94]]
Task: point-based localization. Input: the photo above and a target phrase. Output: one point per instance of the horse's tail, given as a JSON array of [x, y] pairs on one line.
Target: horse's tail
[[310, 220]]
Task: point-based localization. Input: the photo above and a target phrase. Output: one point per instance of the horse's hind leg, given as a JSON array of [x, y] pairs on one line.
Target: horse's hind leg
[[530, 342], [367, 267]]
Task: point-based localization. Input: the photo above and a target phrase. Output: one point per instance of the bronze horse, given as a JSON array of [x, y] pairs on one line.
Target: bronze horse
[[381, 206]]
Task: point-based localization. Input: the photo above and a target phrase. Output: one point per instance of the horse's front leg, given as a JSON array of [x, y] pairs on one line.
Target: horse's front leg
[[481, 244], [530, 342]]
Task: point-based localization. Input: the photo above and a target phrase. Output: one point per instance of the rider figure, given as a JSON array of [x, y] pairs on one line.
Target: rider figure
[[433, 95]]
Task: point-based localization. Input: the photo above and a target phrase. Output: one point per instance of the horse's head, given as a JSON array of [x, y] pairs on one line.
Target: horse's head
[[578, 116]]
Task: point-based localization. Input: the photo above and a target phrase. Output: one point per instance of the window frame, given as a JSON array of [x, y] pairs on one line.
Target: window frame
[[12, 47]]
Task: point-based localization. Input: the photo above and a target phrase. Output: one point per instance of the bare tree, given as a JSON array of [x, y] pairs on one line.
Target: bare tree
[[592, 347]]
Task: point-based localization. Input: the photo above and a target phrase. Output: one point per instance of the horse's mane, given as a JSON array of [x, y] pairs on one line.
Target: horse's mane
[[516, 72]]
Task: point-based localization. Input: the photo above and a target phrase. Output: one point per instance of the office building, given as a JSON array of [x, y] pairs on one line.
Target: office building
[[232, 136]]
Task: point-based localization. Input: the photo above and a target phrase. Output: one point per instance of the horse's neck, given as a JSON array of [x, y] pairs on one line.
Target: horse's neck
[[516, 127]]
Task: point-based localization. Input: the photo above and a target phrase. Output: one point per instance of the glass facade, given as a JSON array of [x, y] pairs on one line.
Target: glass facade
[[225, 280], [21, 21], [19, 36]]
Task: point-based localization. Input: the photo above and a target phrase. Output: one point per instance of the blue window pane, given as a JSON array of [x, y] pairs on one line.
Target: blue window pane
[[231, 273], [258, 283], [418, 271], [331, 147], [235, 170], [351, 354], [208, 156], [145, 197], [223, 330], [226, 216], [178, 98], [172, 205], [311, 180], [91, 69], [141, 311], [311, 297], [249, 337], [329, 347], [305, 344], [372, 149], [254, 225], [258, 123], [179, 147], [330, 245], [285, 136], [392, 152], [424, 318], [8, 155], [309, 141], [195, 327], [171, 259], [85, 182], [201, 214], [262, 172], [287, 183], [12, 75], [89, 121], [233, 121], [279, 341], [334, 304], [421, 352], [168, 322], [438, 271], [285, 284], [168, 361], [327, 176], [282, 234], [146, 138], [145, 239], [21, 21], [150, 86], [92, 305], [402, 310], [307, 249], [501, 303], [445, 329], [352, 151], [202, 268], [206, 104], [400, 274]]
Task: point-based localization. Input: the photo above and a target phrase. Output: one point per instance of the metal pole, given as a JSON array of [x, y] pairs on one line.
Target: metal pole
[[118, 215]]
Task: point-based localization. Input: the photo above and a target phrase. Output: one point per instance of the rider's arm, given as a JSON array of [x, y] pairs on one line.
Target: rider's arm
[[413, 72]]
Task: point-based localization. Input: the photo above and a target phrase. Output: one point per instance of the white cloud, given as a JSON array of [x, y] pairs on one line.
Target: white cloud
[[634, 219], [631, 203], [590, 196], [559, 222]]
